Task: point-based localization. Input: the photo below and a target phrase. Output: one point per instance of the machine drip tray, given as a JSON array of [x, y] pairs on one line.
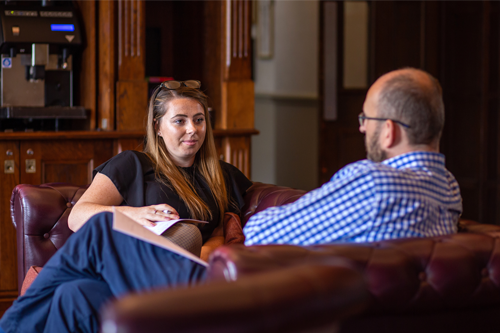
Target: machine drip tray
[[49, 112]]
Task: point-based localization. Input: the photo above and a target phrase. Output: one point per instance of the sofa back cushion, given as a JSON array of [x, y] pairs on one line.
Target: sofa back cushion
[[40, 215]]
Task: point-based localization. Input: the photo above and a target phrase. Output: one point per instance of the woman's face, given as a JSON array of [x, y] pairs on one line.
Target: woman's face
[[183, 130]]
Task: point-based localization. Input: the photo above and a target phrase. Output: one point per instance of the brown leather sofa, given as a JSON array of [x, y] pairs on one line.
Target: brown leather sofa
[[440, 284], [297, 298]]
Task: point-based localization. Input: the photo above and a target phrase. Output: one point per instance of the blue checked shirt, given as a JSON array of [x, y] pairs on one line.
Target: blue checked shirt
[[410, 195]]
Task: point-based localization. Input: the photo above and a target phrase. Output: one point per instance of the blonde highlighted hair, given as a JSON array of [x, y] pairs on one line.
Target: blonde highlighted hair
[[206, 161]]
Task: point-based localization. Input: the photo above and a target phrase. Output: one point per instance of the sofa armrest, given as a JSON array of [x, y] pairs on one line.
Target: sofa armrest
[[300, 297], [261, 196], [40, 215]]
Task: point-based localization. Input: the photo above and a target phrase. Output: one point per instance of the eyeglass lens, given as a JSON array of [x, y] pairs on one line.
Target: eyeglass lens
[[361, 118]]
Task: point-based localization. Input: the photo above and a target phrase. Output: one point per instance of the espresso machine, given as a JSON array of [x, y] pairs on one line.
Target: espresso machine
[[38, 42]]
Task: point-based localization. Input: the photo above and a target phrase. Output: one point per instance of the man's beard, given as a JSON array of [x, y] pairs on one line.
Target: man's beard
[[373, 150]]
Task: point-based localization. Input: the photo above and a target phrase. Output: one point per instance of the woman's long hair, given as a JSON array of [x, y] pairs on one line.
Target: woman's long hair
[[206, 160]]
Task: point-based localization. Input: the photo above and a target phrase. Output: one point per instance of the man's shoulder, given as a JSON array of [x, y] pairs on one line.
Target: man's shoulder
[[363, 168]]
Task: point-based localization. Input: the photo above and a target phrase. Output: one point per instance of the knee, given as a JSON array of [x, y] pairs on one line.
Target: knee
[[81, 292], [66, 291]]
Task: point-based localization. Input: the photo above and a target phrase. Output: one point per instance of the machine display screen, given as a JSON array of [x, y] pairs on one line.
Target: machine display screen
[[62, 27]]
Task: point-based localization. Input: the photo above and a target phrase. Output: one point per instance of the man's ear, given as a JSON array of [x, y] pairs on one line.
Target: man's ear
[[390, 135]]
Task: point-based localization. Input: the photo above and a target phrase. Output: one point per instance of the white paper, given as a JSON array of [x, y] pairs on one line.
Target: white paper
[[161, 226], [126, 225]]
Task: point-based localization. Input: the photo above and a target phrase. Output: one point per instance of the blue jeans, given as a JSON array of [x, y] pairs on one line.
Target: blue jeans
[[95, 265]]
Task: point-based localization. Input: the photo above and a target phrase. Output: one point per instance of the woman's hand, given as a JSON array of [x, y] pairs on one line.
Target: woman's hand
[[148, 215]]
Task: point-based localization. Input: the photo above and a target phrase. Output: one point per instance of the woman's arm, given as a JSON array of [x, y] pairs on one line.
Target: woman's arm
[[102, 195]]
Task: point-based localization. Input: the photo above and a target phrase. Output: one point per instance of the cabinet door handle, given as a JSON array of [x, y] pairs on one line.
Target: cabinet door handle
[[30, 166], [9, 152], [8, 166], [30, 151]]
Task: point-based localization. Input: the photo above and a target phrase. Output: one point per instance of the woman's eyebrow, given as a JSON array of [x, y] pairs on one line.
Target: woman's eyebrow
[[186, 116]]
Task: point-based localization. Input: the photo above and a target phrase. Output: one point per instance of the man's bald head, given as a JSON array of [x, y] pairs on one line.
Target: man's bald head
[[413, 97]]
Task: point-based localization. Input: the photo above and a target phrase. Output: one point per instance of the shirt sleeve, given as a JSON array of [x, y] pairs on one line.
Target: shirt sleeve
[[337, 211], [126, 171]]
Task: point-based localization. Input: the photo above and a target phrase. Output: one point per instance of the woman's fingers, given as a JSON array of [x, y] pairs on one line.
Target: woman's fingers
[[167, 211]]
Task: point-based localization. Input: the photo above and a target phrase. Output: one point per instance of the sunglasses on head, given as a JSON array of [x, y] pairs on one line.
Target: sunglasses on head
[[172, 85]]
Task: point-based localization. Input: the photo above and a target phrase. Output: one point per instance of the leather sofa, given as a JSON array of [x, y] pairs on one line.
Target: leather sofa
[[297, 298], [440, 284]]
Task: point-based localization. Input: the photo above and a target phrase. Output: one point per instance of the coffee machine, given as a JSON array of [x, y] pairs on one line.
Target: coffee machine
[[38, 42]]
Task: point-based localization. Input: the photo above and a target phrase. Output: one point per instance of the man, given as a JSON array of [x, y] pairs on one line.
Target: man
[[402, 190]]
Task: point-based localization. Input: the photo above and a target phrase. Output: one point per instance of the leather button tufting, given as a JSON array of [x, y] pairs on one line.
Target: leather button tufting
[[484, 272], [422, 276], [46, 235], [69, 205]]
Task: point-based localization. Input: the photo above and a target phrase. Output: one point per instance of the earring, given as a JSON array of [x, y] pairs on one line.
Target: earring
[[159, 133]]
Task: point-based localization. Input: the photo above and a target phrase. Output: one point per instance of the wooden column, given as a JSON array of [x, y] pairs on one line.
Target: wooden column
[[131, 88], [122, 85], [237, 107], [107, 63]]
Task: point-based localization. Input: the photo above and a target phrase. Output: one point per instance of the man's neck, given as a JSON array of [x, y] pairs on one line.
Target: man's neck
[[400, 150]]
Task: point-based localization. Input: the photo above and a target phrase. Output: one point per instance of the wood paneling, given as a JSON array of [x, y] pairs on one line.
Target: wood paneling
[[238, 106], [402, 34], [131, 88], [237, 152], [238, 53], [457, 42], [8, 264], [237, 112], [470, 77], [131, 105], [107, 65], [131, 39]]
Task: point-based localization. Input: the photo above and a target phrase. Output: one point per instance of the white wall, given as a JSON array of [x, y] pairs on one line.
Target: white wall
[[286, 107]]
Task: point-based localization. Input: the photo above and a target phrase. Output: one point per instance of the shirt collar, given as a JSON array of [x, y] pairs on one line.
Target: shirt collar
[[416, 158]]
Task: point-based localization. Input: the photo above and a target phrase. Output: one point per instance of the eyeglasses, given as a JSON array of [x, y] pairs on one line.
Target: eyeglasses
[[362, 118], [172, 85]]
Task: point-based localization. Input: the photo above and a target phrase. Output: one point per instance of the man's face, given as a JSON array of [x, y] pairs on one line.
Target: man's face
[[372, 128]]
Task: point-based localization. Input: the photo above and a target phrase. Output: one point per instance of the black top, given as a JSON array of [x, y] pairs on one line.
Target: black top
[[133, 174]]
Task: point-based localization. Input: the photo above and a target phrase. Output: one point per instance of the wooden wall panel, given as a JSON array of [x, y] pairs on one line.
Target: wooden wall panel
[[131, 88], [239, 104], [237, 152], [238, 45], [107, 63], [402, 34], [236, 66], [131, 41], [465, 89], [8, 267], [131, 105]]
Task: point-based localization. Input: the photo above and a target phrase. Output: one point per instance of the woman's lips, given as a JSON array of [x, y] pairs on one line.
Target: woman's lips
[[190, 142]]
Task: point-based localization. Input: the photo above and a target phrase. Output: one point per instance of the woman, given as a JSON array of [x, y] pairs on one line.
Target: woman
[[178, 175]]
